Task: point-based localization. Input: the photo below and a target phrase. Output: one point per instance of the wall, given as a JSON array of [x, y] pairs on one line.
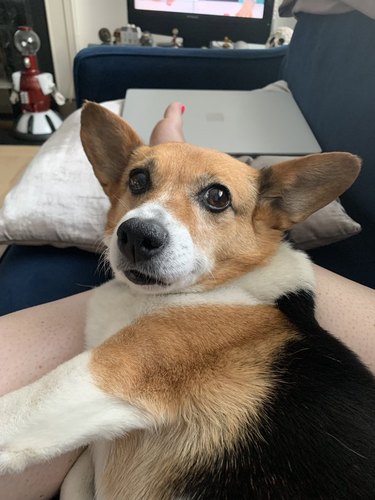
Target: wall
[[278, 21], [91, 15], [73, 24]]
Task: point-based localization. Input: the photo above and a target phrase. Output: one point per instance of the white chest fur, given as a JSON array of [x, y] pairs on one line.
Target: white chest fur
[[115, 305]]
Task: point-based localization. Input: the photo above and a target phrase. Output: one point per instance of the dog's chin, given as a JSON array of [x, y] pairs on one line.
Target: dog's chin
[[142, 279], [159, 277], [152, 283]]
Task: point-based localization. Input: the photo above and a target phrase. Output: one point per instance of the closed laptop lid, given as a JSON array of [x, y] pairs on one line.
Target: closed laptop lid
[[235, 122]]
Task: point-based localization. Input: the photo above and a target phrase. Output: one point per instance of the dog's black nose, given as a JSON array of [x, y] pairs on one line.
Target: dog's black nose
[[140, 240]]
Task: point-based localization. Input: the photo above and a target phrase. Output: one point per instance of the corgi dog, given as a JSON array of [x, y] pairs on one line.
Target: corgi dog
[[206, 375]]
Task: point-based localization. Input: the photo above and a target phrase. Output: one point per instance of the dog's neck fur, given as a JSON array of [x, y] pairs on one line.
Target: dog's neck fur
[[288, 271]]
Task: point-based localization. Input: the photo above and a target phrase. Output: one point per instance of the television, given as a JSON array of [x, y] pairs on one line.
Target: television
[[201, 21]]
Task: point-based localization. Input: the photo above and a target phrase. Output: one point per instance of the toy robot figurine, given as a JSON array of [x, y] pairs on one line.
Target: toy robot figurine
[[34, 89]]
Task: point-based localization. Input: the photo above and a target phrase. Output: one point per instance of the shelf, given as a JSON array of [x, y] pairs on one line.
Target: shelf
[[5, 84]]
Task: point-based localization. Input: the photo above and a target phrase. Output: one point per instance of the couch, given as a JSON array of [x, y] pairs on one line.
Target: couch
[[330, 69]]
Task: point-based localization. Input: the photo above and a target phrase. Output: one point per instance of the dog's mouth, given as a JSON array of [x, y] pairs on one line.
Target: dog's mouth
[[139, 278]]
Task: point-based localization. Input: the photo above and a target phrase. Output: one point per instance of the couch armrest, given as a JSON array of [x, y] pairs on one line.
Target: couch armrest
[[104, 73]]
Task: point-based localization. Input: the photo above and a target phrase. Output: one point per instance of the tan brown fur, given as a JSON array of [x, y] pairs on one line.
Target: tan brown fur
[[200, 372]]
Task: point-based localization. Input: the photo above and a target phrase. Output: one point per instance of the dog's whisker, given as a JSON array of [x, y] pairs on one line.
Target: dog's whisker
[[121, 202], [346, 446], [104, 265]]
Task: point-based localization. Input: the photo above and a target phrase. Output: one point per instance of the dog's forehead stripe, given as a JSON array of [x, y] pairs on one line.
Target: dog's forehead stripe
[[146, 163], [190, 180], [191, 161]]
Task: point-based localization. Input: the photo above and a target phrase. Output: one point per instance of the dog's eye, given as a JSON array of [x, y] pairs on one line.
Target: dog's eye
[[216, 198], [139, 181]]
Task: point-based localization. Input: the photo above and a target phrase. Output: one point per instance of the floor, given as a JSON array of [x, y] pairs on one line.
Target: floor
[[7, 134], [13, 161]]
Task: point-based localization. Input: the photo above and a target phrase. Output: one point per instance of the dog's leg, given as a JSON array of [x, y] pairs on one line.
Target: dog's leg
[[62, 411], [79, 482]]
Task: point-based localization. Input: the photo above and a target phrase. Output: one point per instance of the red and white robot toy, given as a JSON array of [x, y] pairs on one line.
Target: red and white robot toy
[[34, 90]]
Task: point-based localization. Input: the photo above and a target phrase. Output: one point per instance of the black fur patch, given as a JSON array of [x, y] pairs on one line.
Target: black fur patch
[[318, 431]]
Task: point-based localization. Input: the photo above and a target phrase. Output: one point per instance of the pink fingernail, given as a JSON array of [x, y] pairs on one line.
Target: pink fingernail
[[182, 109]]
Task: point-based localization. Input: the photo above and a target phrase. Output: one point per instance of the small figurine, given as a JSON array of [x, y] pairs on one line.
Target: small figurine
[[281, 36], [130, 34], [105, 36], [174, 43], [117, 36], [34, 90], [227, 43], [146, 39]]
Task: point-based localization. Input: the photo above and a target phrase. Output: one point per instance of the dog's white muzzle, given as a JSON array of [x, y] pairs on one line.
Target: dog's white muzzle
[[152, 250]]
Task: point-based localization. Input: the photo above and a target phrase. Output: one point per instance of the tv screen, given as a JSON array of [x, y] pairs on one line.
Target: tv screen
[[202, 21]]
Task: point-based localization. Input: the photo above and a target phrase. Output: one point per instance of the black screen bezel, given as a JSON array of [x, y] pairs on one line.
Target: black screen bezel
[[198, 30]]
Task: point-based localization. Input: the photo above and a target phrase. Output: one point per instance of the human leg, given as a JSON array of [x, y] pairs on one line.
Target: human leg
[[33, 342], [169, 128], [79, 482], [347, 310]]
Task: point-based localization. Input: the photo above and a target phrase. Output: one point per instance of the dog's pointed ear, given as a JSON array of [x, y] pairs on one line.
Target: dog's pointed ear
[[107, 141], [291, 191]]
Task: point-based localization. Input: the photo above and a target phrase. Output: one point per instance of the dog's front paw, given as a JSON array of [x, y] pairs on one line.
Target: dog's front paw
[[13, 461], [20, 443]]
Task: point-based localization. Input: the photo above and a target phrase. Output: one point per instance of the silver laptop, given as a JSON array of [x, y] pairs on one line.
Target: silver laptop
[[235, 122]]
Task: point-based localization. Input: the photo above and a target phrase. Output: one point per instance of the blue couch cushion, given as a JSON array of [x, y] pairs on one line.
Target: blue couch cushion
[[106, 72], [34, 275], [330, 68]]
